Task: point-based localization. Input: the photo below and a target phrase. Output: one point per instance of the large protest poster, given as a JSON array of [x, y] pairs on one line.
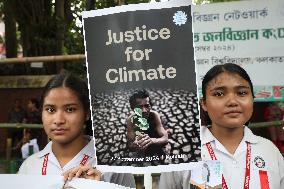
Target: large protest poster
[[248, 33], [134, 48]]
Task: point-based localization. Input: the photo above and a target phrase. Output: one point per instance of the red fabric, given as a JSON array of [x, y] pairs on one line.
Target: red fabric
[[264, 183]]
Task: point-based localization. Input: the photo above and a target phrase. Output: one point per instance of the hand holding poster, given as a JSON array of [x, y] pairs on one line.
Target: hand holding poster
[[142, 83]]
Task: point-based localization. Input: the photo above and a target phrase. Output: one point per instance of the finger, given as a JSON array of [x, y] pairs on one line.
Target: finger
[[93, 170], [145, 146], [138, 137], [94, 174], [135, 142], [146, 141], [72, 174], [65, 177], [66, 174], [145, 137], [141, 142], [85, 168], [79, 173]]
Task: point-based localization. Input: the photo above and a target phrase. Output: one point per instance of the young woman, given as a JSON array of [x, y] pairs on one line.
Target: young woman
[[248, 161], [65, 112]]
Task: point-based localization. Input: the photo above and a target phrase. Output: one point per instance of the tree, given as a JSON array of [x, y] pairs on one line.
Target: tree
[[49, 27], [10, 31]]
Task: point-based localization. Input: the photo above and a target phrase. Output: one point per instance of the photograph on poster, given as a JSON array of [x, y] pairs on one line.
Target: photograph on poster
[[142, 84]]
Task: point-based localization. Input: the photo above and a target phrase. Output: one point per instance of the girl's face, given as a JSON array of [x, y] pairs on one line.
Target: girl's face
[[63, 115], [229, 101]]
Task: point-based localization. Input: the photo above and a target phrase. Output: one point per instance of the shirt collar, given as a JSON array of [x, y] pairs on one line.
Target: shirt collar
[[207, 137], [89, 149], [249, 136], [47, 149]]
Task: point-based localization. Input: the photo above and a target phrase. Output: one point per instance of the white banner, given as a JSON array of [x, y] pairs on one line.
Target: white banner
[[15, 181], [248, 33]]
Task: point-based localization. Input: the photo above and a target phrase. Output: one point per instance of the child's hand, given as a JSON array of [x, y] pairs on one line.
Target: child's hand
[[81, 171]]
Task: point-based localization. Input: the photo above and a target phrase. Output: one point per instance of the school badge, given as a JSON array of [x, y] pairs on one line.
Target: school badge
[[259, 162]]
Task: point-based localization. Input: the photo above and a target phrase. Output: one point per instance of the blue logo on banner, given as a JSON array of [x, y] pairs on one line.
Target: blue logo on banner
[[180, 18]]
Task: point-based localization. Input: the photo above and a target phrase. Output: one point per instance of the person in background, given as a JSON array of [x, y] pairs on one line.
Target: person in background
[[31, 136], [29, 143], [274, 113], [33, 112], [17, 114]]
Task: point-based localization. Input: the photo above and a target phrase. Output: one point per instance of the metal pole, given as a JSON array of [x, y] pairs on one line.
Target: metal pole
[[148, 181], [56, 58]]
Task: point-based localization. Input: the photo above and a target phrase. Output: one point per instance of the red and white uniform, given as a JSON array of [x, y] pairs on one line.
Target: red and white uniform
[[266, 162], [35, 163], [45, 162]]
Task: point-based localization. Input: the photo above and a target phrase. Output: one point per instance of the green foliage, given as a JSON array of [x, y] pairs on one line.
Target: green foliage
[[139, 121], [74, 42], [100, 4], [137, 1]]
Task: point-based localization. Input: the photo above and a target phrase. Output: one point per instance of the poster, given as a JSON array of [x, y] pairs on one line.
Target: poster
[[248, 33], [132, 49], [13, 181]]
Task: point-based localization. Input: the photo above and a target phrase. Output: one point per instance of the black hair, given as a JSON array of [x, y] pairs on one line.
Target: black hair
[[35, 102], [138, 94], [75, 84], [214, 72]]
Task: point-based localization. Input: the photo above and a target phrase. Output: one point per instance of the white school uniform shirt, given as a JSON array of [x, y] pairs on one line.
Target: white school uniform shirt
[[34, 164], [264, 156]]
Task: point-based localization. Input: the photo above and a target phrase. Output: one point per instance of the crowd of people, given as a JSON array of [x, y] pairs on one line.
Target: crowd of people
[[30, 114]]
